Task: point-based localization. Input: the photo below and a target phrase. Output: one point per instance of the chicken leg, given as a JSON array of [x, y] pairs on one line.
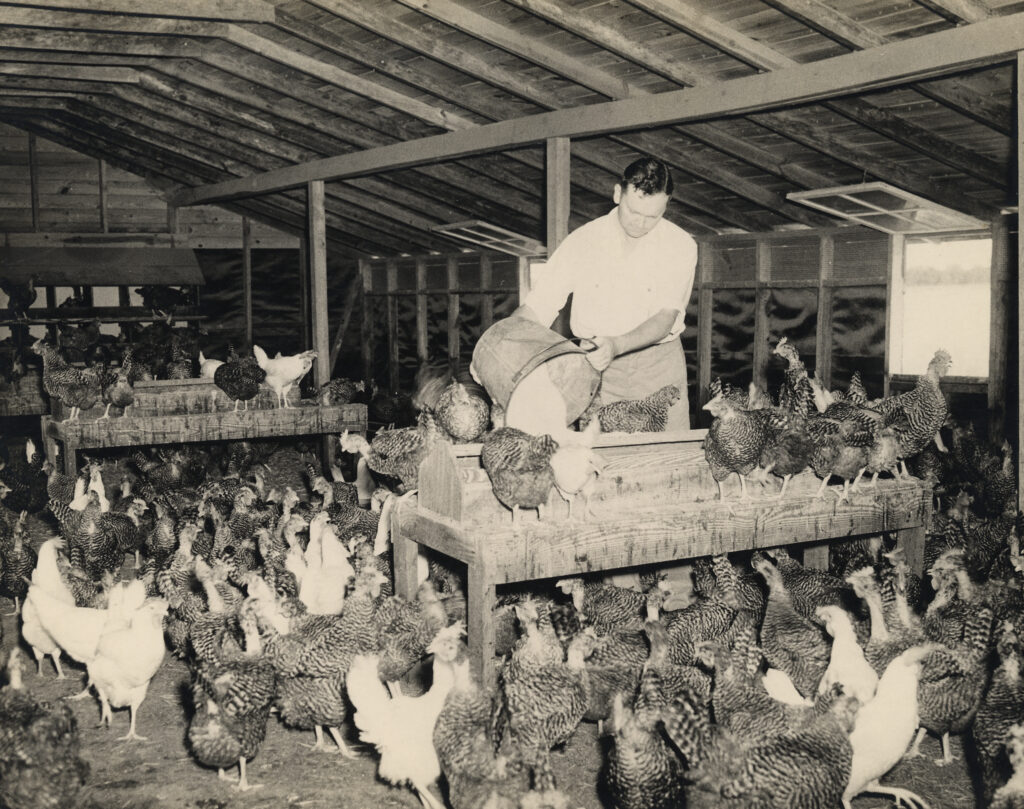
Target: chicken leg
[[346, 751]]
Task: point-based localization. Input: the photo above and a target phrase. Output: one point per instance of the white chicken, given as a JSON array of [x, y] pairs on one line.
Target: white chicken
[[47, 576], [847, 664], [81, 496], [576, 466], [283, 372], [97, 485], [328, 570], [884, 728], [207, 367], [356, 443], [402, 727], [127, 659]]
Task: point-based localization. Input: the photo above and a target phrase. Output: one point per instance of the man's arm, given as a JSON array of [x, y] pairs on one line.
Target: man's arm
[[529, 314], [656, 327]]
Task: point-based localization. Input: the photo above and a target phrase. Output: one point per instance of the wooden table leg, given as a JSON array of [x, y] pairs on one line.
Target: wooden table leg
[[911, 540], [480, 613], [70, 459], [816, 556], [405, 553]]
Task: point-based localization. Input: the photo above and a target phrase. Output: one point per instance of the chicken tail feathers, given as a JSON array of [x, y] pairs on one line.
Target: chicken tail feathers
[[369, 697]]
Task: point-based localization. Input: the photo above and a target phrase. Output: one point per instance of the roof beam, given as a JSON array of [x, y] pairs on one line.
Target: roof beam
[[861, 111], [962, 94], [95, 73], [958, 10], [236, 10], [927, 56]]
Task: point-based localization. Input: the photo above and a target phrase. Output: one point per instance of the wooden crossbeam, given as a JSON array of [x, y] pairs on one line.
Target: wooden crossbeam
[[237, 10], [927, 56]]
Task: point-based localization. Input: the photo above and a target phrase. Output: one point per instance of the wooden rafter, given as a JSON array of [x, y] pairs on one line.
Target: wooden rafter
[[963, 94], [236, 10], [958, 10], [921, 57]]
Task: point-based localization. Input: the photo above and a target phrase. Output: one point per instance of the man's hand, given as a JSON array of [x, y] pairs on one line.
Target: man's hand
[[601, 356]]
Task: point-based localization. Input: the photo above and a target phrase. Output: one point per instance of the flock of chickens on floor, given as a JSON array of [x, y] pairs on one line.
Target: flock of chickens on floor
[[778, 686]]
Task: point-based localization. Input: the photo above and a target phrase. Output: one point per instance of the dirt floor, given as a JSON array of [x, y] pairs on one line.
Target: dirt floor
[[160, 772]]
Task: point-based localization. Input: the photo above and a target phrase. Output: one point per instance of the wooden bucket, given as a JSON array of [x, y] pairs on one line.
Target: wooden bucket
[[514, 347]]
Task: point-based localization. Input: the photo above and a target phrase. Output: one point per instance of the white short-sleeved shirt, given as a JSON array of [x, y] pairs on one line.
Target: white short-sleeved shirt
[[617, 282]]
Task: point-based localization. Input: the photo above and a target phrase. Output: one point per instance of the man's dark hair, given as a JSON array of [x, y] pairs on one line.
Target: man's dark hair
[[648, 176]]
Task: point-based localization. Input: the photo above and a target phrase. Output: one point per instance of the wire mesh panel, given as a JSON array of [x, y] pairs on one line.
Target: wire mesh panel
[[732, 335], [796, 259], [793, 314], [858, 336], [861, 254], [733, 262]]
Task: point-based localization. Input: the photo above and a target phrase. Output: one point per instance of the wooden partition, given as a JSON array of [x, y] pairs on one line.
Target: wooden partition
[[435, 292]]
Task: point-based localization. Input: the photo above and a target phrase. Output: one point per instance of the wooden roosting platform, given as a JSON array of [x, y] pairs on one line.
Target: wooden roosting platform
[[193, 410], [655, 502]]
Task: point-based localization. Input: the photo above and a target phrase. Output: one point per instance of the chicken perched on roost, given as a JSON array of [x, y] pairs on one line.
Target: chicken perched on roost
[[462, 413], [284, 372], [76, 388], [240, 379], [648, 414], [734, 441], [519, 466], [340, 390], [577, 466]]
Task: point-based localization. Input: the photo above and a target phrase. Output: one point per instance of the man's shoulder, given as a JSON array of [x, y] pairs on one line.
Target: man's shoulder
[[671, 231]]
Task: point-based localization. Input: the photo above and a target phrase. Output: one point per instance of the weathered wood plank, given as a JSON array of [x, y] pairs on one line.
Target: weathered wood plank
[[247, 281], [559, 171], [999, 337], [1020, 286], [236, 10], [823, 325], [921, 57]]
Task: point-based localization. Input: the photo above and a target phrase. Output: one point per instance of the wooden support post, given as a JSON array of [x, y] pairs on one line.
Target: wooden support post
[[487, 298], [823, 327], [998, 338], [406, 552], [421, 309], [1020, 272], [51, 303], [453, 315], [33, 180], [558, 158], [761, 330], [816, 556], [704, 316], [247, 279], [102, 168], [316, 228], [172, 223], [351, 296], [366, 332], [911, 541], [392, 303], [305, 315], [894, 309], [480, 614]]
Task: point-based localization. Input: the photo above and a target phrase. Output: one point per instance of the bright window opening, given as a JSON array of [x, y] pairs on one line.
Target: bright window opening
[[946, 304]]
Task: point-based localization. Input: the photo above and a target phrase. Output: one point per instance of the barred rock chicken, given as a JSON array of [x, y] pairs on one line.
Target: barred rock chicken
[[466, 740], [402, 727], [808, 766], [77, 389], [952, 682], [842, 449], [791, 643], [232, 692], [917, 415], [734, 441], [40, 766], [340, 391], [405, 630], [397, 453], [605, 607], [641, 771], [547, 695], [519, 466], [23, 475], [283, 373], [648, 414], [17, 560], [240, 379], [795, 395], [462, 413], [1001, 706]]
